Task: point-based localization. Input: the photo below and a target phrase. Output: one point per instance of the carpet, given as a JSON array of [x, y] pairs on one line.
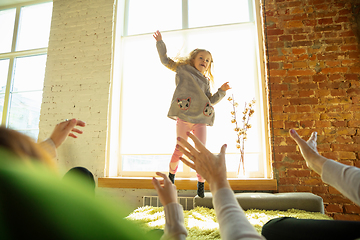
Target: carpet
[[201, 222]]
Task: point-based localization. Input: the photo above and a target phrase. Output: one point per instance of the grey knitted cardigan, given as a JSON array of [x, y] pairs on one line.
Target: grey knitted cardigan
[[192, 100]]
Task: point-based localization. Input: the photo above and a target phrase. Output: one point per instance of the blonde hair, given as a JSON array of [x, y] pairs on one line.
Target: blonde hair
[[24, 147], [177, 61]]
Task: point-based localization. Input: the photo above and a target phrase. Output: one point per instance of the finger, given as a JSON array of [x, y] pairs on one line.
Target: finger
[[165, 177], [186, 152], [296, 137], [188, 163], [80, 123], [160, 174], [198, 144], [156, 184], [161, 181], [77, 130], [72, 135], [313, 136], [312, 141], [223, 149], [187, 145], [69, 126]]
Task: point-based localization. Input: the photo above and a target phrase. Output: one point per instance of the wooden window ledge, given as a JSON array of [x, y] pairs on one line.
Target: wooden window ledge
[[251, 184]]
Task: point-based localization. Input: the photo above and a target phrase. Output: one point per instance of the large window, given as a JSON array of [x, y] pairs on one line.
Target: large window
[[23, 50], [147, 137]]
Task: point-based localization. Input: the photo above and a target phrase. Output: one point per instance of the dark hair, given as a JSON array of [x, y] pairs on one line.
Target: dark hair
[[83, 173]]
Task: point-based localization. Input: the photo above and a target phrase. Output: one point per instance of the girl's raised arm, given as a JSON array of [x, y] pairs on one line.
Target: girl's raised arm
[[160, 45]]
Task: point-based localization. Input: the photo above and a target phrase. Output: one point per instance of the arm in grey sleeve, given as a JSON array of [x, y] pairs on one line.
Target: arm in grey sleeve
[[233, 223], [165, 60], [174, 222], [214, 99], [346, 179]]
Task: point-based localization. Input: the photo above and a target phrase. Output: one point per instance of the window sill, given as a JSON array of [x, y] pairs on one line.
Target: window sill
[[251, 184]]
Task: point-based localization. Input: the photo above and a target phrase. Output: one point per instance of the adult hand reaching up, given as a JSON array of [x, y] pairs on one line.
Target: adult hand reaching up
[[233, 223], [64, 129], [308, 150], [165, 189], [211, 167]]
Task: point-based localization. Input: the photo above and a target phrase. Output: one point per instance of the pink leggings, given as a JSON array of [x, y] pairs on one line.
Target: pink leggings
[[182, 128]]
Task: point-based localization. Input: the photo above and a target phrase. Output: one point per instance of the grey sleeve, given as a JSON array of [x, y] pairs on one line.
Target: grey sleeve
[[233, 223], [165, 60], [214, 99], [346, 179]]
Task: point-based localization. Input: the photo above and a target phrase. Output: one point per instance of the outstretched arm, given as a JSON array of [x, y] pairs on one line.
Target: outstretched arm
[[233, 222], [174, 216], [220, 94], [308, 149], [61, 131], [225, 86], [161, 48], [346, 179]]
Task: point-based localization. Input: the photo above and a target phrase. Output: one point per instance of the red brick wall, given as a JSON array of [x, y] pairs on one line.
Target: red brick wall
[[313, 67]]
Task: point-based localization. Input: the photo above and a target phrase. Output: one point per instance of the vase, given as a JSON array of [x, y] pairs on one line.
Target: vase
[[241, 173]]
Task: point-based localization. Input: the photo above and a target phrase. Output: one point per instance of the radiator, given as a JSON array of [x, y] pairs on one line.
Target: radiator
[[154, 201]]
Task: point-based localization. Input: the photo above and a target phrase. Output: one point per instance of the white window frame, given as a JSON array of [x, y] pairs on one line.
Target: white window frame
[[113, 154], [13, 54]]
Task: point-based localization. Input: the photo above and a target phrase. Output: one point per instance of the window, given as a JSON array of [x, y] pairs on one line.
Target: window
[[23, 51], [147, 138]]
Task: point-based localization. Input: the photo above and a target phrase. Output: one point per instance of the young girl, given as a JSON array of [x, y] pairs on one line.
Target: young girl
[[192, 101]]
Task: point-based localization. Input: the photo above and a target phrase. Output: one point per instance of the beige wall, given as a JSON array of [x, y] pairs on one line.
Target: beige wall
[[77, 79]]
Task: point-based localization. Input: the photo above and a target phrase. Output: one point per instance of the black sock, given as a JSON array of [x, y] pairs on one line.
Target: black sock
[[172, 177], [200, 189]]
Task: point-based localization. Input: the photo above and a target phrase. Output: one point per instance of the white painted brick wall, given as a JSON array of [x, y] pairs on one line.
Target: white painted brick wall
[[77, 79]]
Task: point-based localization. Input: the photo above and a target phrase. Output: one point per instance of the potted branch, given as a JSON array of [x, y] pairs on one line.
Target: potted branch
[[241, 130]]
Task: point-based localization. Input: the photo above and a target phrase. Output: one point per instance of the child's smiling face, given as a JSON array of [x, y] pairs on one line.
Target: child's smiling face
[[202, 61]]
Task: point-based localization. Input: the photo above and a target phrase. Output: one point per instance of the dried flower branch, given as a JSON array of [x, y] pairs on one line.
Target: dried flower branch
[[242, 131]]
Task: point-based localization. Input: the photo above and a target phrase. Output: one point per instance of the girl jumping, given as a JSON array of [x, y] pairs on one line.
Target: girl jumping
[[192, 102]]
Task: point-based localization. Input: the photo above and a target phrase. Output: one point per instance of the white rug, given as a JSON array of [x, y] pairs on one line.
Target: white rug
[[201, 223]]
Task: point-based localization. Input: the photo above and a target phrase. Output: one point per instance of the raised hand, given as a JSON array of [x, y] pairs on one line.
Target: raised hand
[[64, 129], [165, 189], [225, 86], [209, 166], [157, 36], [308, 150]]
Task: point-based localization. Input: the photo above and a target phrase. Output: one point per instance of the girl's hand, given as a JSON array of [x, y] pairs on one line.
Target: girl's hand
[[225, 86], [157, 36]]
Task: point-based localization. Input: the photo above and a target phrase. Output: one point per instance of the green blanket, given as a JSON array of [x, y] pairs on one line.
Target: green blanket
[[201, 222]]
